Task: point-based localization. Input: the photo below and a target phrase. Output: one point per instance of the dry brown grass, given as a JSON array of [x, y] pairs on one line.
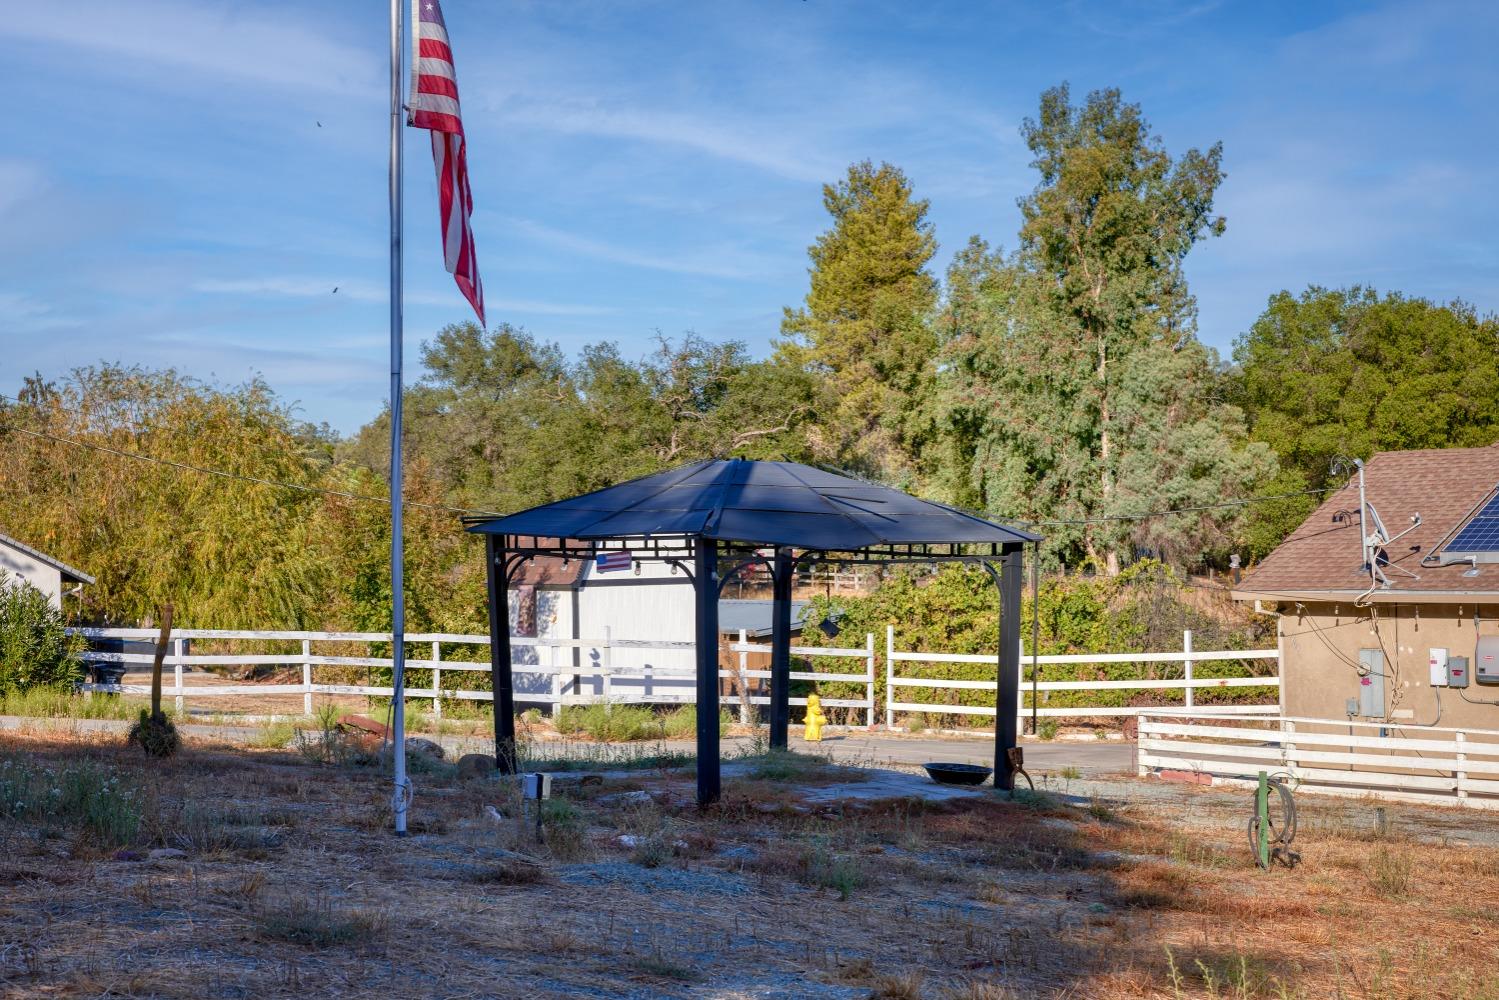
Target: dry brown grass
[[292, 886]]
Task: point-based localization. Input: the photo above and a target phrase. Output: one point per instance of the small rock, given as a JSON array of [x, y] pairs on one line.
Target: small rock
[[494, 814], [425, 747], [167, 854], [475, 765], [628, 840]]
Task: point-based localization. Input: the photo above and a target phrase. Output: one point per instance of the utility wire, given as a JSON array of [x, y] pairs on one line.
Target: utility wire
[[487, 513], [1180, 510], [221, 474]]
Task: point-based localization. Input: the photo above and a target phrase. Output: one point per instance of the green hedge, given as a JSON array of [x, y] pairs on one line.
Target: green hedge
[[955, 610]]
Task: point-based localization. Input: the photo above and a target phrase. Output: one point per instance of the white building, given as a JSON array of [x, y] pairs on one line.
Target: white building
[[19, 561], [645, 603]]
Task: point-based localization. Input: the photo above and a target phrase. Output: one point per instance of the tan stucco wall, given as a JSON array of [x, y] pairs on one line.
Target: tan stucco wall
[[17, 564], [1320, 646]]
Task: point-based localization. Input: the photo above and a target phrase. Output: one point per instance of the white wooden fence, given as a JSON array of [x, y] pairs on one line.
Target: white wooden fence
[[1403, 763], [620, 670], [1187, 683]]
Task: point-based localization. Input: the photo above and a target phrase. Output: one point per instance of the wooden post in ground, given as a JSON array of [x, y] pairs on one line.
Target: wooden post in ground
[[162, 639]]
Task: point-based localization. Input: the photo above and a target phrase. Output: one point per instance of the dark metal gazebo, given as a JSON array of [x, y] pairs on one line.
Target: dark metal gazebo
[[692, 516]]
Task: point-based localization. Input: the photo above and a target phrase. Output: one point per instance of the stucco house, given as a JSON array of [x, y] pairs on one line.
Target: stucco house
[[19, 561], [1388, 595]]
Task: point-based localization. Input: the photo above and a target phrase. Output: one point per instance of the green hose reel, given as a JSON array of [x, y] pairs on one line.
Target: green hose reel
[[1271, 841]]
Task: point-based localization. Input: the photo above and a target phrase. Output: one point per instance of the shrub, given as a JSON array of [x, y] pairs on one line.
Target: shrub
[[155, 734], [1047, 728], [34, 648], [104, 804], [682, 724], [621, 723]]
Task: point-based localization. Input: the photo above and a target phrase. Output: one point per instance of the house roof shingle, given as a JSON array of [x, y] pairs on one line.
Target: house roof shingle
[[1323, 556], [68, 572]]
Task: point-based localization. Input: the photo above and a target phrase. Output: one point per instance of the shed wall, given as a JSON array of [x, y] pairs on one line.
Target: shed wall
[[15, 564], [1321, 647]]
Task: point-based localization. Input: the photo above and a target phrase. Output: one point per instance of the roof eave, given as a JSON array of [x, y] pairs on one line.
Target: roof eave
[[68, 572], [1377, 597]]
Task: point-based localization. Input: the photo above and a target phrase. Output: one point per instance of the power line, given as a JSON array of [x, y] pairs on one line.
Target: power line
[[1182, 510], [221, 474], [487, 513]]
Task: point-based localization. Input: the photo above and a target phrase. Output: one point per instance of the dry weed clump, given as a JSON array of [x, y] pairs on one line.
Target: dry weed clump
[[317, 923]]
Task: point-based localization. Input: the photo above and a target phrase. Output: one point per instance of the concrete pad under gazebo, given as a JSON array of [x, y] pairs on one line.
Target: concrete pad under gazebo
[[691, 516]]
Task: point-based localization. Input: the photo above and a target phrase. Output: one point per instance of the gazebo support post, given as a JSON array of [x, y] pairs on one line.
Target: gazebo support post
[[501, 682], [780, 647], [705, 584], [1007, 698]]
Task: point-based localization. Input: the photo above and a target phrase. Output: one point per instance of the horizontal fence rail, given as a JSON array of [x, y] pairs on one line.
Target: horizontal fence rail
[[557, 672], [1333, 757], [1188, 683], [615, 670]]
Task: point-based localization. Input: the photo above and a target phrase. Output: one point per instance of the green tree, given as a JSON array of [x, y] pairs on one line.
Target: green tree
[[229, 553], [865, 325], [505, 421], [1074, 381], [1345, 373]]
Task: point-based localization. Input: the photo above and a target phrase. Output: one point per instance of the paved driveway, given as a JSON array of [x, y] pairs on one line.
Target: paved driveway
[[1090, 757]]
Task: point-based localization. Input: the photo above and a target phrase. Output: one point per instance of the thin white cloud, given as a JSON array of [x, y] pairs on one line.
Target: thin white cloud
[[709, 262], [757, 146], [277, 47]]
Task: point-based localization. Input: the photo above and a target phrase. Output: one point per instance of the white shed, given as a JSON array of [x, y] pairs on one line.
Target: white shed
[[645, 603], [19, 561]]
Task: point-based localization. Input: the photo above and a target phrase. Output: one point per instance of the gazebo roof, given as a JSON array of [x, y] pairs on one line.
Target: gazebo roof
[[756, 503]]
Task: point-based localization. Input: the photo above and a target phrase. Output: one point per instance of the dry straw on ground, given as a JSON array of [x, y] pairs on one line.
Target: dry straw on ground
[[288, 884]]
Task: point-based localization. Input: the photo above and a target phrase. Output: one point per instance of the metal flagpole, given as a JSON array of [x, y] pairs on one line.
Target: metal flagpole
[[402, 794]]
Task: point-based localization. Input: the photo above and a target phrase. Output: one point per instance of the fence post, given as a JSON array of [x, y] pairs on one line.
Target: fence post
[[1288, 745], [1142, 722], [889, 674], [179, 647], [1462, 759], [558, 687], [436, 680], [869, 683], [1187, 648], [744, 695], [607, 665], [307, 676]]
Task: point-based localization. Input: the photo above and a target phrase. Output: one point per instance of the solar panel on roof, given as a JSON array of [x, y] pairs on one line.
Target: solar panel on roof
[[1481, 534]]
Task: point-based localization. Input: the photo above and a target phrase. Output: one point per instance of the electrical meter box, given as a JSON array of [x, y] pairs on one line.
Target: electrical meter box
[[1486, 660], [1436, 660], [1371, 682], [1457, 672]]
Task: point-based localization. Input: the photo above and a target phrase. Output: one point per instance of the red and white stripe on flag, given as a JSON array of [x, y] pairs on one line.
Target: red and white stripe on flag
[[612, 562], [433, 105]]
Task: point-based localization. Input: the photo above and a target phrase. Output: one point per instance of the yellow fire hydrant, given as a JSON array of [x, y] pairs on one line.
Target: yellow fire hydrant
[[815, 719]]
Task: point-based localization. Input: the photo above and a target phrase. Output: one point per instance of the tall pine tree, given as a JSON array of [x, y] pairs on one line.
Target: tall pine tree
[[1074, 378], [865, 325]]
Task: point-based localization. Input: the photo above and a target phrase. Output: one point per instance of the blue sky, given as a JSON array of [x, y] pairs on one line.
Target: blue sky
[[168, 197]]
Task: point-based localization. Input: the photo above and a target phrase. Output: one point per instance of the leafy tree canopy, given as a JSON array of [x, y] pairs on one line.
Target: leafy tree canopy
[[1074, 386], [865, 325], [1345, 373]]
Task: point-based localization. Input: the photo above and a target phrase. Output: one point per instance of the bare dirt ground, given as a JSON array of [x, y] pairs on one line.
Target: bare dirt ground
[[281, 879]]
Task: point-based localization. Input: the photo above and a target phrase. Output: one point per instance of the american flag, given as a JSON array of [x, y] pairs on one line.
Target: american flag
[[611, 562], [434, 105]]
